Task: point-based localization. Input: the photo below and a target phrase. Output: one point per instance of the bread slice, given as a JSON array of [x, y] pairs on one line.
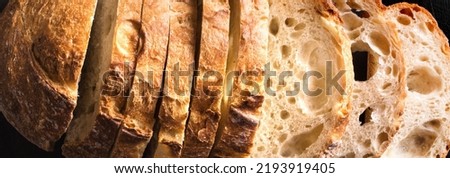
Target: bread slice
[[205, 110], [425, 131], [137, 129], [379, 92], [42, 53], [178, 80], [307, 46], [106, 79], [241, 110]]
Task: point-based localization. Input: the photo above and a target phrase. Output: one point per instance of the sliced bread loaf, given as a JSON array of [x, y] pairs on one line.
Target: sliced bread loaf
[[308, 81], [42, 51], [244, 96], [379, 89], [106, 79], [205, 109], [137, 128], [425, 131], [178, 80]]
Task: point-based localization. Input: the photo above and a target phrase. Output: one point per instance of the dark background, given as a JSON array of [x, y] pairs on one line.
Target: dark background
[[13, 145]]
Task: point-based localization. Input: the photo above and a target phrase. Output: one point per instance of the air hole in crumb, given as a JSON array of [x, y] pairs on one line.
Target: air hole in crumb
[[298, 144], [299, 27], [365, 117], [417, 9], [424, 58], [430, 27], [438, 70], [274, 26], [351, 21], [404, 20], [379, 43], [290, 22], [261, 148], [282, 138], [408, 12], [388, 70], [361, 13], [284, 114], [350, 155], [369, 155], [386, 86], [433, 124], [286, 51], [364, 65], [367, 143], [382, 137], [292, 100], [423, 80]]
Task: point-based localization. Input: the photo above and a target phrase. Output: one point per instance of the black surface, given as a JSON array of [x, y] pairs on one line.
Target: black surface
[[12, 144]]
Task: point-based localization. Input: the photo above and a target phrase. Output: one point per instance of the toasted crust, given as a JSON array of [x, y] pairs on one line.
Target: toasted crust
[[93, 134], [43, 49], [238, 126], [178, 80], [206, 103], [136, 131]]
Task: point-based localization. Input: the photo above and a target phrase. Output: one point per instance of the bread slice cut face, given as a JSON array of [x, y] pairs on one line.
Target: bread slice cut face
[[425, 131], [42, 51], [308, 81], [379, 89]]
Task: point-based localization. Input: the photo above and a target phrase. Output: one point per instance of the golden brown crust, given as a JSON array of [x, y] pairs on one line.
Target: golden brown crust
[[206, 104], [41, 64], [100, 137], [136, 131], [239, 128], [179, 72]]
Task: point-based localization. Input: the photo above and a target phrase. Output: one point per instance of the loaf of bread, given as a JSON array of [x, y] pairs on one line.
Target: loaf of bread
[[307, 47], [178, 80], [425, 131], [42, 51], [379, 91], [221, 78]]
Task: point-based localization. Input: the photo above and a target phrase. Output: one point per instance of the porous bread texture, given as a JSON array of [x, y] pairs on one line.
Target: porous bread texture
[[304, 35], [177, 90], [377, 103], [425, 131]]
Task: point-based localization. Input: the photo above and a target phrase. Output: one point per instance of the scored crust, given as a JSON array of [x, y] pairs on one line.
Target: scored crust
[[208, 91], [42, 53]]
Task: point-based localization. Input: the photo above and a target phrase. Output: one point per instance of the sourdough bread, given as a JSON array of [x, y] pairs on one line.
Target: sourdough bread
[[42, 53], [241, 110], [205, 109], [308, 44], [137, 129], [378, 93], [106, 80], [178, 80], [425, 131]]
